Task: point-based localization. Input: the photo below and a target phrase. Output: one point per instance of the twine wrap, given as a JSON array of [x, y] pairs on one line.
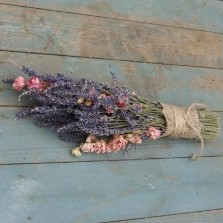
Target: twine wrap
[[184, 123]]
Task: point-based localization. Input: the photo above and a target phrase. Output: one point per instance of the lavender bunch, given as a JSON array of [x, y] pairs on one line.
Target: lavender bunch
[[76, 108], [107, 118]]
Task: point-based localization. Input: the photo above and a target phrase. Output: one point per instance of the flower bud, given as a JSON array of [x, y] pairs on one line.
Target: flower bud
[[102, 96], [76, 152], [88, 103], [129, 135], [80, 100]]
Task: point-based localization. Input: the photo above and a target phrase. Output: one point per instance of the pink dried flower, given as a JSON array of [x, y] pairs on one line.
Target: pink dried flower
[[109, 110], [121, 104], [19, 83], [101, 147], [90, 138], [153, 133], [135, 139], [87, 147], [34, 82], [98, 147], [44, 85], [117, 143]]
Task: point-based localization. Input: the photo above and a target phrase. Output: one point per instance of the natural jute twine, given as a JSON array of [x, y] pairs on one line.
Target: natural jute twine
[[184, 123]]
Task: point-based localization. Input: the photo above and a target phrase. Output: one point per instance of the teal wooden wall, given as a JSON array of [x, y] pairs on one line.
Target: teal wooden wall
[[165, 50]]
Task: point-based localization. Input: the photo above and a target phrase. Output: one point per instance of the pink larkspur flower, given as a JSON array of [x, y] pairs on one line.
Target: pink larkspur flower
[[101, 147], [90, 138], [87, 147], [98, 147], [117, 143], [34, 82], [153, 133], [109, 110], [121, 104], [19, 83], [135, 139]]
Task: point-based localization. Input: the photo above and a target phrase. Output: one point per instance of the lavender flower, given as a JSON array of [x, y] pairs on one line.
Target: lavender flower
[[77, 108]]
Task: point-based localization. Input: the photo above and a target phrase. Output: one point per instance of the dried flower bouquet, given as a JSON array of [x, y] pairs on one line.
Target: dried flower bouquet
[[106, 118]]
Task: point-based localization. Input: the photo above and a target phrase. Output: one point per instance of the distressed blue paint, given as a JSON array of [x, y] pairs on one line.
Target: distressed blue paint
[[195, 14], [109, 191], [50, 32]]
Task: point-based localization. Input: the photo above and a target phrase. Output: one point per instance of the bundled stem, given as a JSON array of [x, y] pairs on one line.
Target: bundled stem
[[211, 125]]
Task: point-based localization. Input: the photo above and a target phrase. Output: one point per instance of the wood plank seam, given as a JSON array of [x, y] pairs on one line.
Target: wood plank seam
[[106, 17], [109, 59], [160, 216], [118, 40], [109, 160]]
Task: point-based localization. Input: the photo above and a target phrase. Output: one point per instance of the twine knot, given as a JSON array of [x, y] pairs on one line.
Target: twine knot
[[184, 123]]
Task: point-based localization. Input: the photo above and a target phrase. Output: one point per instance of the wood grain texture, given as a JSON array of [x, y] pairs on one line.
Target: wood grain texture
[[171, 84], [195, 14], [109, 191], [49, 32], [21, 141], [41, 181], [214, 216]]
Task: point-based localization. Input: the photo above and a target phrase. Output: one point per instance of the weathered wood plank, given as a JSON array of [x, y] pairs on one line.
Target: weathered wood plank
[[195, 14], [23, 142], [171, 84], [214, 216], [109, 191], [49, 32]]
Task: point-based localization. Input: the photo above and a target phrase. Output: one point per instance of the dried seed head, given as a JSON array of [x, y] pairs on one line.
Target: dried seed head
[[102, 96], [129, 135], [88, 103], [80, 100], [76, 152]]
